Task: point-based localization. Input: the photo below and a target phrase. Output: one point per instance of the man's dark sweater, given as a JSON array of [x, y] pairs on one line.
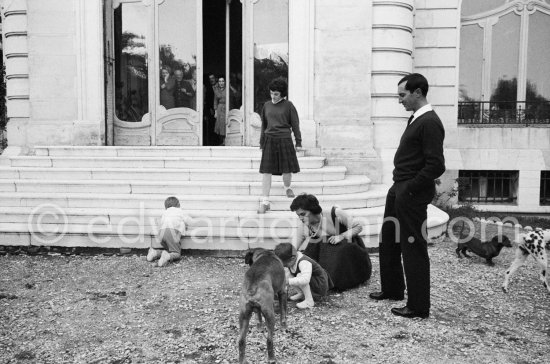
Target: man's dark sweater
[[278, 120], [419, 157]]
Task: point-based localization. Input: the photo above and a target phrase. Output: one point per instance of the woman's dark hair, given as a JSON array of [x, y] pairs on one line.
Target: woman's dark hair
[[414, 81], [171, 201], [284, 251], [279, 84], [306, 202]]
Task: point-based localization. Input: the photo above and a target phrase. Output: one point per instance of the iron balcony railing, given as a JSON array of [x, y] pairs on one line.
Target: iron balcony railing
[[504, 112]]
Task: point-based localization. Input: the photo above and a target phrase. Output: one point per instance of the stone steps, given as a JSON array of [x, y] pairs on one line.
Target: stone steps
[[374, 197], [158, 151], [351, 184], [328, 173], [220, 230], [152, 162], [114, 196]]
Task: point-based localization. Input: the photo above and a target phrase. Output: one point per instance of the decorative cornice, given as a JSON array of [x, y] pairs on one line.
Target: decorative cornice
[[393, 3], [17, 76], [391, 49], [392, 26], [15, 34], [389, 73], [15, 12], [16, 55]]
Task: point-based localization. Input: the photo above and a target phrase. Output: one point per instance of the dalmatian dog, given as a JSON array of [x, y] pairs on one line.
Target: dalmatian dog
[[535, 243]]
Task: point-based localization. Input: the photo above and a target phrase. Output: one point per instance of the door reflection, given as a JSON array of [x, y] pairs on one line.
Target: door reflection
[[130, 46]]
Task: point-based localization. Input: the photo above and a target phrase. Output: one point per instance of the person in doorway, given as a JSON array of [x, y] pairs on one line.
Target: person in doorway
[[208, 117], [167, 85], [219, 107], [418, 162], [279, 120], [183, 91]]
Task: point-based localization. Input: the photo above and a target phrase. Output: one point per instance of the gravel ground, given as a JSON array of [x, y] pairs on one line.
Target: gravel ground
[[121, 309]]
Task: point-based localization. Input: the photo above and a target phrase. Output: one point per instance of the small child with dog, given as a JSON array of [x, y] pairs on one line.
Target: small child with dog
[[166, 248], [306, 275]]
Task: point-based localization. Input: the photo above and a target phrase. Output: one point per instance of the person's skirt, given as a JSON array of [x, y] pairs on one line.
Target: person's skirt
[[347, 264], [219, 128], [279, 156]]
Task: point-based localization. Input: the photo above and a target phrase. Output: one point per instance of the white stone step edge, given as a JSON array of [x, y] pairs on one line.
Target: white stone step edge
[[153, 162], [127, 151], [355, 183], [182, 174], [437, 223]]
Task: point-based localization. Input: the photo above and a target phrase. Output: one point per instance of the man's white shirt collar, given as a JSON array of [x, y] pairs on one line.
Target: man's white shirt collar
[[424, 109]]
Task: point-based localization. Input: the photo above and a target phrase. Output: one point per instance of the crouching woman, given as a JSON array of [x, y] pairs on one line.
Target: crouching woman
[[332, 240], [307, 277]]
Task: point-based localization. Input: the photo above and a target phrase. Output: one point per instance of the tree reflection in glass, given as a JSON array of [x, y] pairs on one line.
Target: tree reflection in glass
[[131, 83]]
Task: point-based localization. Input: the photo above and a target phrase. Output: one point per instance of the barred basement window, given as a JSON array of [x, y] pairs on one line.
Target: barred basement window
[[499, 187], [545, 188]]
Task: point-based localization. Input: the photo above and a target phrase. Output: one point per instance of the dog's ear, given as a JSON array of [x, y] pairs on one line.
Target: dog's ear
[[248, 258]]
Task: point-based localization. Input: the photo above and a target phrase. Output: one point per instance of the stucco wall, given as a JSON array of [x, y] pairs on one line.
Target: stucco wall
[[342, 108], [525, 149], [60, 99]]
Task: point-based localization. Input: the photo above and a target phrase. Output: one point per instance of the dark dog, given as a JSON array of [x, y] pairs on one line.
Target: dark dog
[[264, 279], [487, 250]]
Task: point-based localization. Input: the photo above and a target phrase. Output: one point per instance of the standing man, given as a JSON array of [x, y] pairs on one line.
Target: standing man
[[209, 120], [418, 162]]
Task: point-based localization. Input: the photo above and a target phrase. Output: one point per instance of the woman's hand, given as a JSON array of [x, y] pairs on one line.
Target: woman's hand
[[335, 239]]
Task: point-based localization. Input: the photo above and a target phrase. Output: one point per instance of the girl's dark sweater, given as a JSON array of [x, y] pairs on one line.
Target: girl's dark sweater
[[278, 120]]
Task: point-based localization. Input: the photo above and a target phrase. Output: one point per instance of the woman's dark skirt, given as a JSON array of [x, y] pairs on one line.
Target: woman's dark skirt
[[347, 264], [279, 156]]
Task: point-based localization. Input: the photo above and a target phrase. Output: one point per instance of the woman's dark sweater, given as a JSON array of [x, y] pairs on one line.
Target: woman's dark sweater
[[278, 120], [419, 157]]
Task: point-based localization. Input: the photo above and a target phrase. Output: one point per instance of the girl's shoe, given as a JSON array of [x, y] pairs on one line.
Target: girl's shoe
[[264, 207], [290, 193]]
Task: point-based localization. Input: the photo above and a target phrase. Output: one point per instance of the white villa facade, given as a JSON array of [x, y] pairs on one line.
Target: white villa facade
[[86, 73]]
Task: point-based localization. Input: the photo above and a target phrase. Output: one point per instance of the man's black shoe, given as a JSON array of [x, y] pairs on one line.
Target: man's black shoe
[[408, 313], [382, 296]]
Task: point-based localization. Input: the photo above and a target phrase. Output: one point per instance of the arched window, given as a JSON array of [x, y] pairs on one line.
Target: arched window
[[504, 62]]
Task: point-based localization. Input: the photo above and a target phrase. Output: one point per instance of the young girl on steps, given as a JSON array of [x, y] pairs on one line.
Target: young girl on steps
[[279, 120]]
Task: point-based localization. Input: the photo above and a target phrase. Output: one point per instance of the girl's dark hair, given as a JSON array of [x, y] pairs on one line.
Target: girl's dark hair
[[171, 201], [284, 251], [279, 84], [306, 202]]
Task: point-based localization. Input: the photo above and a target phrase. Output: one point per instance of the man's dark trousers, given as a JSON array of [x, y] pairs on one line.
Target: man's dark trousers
[[404, 233]]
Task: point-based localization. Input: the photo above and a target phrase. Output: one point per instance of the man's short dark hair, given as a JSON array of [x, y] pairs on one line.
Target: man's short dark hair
[[171, 201], [306, 202], [284, 251], [279, 84], [414, 81]]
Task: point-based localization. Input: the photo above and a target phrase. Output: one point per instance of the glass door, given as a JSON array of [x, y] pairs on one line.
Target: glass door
[[178, 120], [154, 71], [129, 68], [265, 54]]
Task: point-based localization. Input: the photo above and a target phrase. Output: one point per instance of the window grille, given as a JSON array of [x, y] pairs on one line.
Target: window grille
[[493, 187]]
